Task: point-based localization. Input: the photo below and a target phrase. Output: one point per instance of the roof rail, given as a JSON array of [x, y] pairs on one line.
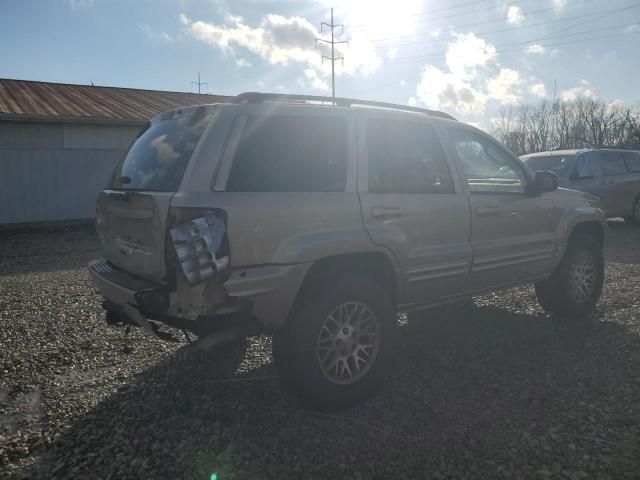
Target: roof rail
[[258, 97]]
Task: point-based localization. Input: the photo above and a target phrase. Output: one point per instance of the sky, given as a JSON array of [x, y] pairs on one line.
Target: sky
[[466, 57]]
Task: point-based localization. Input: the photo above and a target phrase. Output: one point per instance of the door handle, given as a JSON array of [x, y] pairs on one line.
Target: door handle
[[386, 212], [484, 211]]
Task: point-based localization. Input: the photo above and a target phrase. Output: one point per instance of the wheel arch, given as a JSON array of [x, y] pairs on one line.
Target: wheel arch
[[373, 264]]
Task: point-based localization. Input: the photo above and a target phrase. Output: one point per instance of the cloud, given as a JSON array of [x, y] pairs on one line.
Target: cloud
[[79, 4], [412, 102], [472, 79], [631, 28], [280, 40], [467, 53], [515, 15], [582, 90], [505, 86], [438, 89], [241, 62], [538, 89], [536, 48], [315, 81], [559, 3]]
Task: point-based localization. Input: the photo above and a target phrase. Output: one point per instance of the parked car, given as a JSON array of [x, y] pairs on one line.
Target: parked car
[[319, 222], [611, 174]]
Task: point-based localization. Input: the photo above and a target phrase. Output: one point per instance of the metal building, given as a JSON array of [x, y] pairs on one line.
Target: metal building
[[59, 143]]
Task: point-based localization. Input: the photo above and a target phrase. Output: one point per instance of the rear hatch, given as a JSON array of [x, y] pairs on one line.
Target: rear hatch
[[132, 213]]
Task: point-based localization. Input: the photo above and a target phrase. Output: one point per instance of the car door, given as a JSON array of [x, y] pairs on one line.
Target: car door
[[585, 174], [614, 188], [412, 204], [513, 232]]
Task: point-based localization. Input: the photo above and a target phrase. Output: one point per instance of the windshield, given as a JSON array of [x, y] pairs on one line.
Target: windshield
[[158, 159], [558, 164]]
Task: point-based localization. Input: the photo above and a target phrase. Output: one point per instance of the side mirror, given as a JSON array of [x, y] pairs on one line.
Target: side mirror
[[546, 182]]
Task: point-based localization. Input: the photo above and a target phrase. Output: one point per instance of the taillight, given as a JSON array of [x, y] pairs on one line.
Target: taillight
[[199, 242]]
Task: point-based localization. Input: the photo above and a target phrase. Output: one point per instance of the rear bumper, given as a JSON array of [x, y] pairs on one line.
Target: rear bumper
[[125, 291], [269, 291]]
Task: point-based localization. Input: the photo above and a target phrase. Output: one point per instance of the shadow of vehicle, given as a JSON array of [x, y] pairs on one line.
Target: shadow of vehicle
[[475, 392], [623, 243]]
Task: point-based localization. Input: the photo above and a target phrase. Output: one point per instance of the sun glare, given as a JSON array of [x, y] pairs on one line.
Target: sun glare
[[381, 18]]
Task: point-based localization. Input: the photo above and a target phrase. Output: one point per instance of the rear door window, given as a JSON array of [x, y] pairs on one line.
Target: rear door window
[[586, 166], [406, 157], [291, 153], [613, 164], [158, 158]]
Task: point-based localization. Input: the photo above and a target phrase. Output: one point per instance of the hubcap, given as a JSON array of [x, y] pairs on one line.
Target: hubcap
[[582, 272], [348, 343]]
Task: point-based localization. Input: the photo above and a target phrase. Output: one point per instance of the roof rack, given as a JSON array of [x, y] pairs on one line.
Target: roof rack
[[258, 97]]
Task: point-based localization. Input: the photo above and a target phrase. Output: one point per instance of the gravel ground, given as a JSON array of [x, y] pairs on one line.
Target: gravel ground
[[495, 389]]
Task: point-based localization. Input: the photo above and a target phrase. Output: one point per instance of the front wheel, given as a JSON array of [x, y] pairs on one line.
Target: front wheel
[[575, 286], [334, 349]]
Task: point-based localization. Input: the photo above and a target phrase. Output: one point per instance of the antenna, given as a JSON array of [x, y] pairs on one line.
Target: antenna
[[333, 58], [198, 83]]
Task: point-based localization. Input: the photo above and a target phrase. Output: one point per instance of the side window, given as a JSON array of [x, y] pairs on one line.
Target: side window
[[487, 169], [290, 153], [406, 157], [633, 161], [613, 164], [586, 166]]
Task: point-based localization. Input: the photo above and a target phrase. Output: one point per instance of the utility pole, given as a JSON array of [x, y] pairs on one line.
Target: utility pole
[[198, 83], [333, 43], [555, 86]]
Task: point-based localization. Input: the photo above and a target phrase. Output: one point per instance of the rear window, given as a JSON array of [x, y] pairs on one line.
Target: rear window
[[558, 164], [287, 153], [159, 157]]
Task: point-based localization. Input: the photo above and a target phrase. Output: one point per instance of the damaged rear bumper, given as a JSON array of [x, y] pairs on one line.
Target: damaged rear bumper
[[262, 295]]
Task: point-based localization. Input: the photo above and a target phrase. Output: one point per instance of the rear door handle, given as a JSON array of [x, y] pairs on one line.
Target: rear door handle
[[485, 211], [386, 212]]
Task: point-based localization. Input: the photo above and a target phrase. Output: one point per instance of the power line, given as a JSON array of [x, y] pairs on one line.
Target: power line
[[499, 19], [509, 46], [596, 14], [333, 43], [198, 83]]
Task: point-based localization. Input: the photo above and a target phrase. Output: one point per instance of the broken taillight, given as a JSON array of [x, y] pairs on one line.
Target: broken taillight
[[200, 246]]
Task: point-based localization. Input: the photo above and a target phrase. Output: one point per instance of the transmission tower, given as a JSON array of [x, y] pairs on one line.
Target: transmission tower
[[198, 83], [332, 26]]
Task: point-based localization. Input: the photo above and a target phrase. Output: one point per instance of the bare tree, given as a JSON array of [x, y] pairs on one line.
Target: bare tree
[[580, 123]]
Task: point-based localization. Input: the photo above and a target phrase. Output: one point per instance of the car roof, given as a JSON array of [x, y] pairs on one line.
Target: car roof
[[272, 101], [576, 151]]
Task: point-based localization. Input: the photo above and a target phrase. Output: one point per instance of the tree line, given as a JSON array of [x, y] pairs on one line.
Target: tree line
[[581, 123]]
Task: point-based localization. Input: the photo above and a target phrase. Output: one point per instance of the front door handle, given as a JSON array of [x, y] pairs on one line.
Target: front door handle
[[386, 212], [485, 211]]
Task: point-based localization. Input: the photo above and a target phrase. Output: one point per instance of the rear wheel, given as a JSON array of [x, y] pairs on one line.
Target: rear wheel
[[334, 349], [635, 212], [575, 286]]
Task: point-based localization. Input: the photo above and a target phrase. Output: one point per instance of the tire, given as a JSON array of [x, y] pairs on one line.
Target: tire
[[634, 219], [575, 286], [353, 317]]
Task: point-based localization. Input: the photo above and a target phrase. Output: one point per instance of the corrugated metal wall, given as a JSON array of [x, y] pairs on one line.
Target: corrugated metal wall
[[53, 172]]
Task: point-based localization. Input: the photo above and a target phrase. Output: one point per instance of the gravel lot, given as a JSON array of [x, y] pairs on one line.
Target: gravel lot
[[496, 389]]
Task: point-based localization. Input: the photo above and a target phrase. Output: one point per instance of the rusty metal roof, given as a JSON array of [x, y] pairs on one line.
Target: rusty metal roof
[[30, 100]]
